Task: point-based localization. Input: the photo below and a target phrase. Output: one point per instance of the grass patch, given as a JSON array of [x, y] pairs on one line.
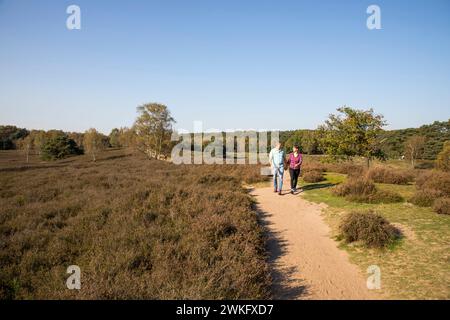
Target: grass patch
[[416, 267]]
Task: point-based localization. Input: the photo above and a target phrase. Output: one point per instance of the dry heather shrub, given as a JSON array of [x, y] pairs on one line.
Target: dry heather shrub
[[347, 167], [435, 180], [138, 229], [425, 198], [370, 228], [364, 190], [355, 186], [314, 166], [313, 176], [387, 175], [430, 186], [442, 206]]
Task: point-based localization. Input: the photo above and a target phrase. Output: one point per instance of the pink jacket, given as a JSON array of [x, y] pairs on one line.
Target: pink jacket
[[295, 162]]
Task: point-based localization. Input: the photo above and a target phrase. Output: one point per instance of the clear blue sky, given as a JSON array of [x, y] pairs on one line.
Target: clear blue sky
[[231, 64]]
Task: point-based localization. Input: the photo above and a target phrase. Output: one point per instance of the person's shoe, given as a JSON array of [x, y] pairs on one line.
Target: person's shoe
[[275, 191], [279, 193], [292, 191]]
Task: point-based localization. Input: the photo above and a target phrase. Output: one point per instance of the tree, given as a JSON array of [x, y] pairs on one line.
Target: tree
[[58, 146], [93, 142], [414, 147], [39, 138], [114, 138], [353, 133], [77, 137], [443, 158], [127, 137], [153, 128], [9, 135], [26, 145]]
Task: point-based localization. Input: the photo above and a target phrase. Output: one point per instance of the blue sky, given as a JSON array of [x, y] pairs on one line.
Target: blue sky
[[231, 64]]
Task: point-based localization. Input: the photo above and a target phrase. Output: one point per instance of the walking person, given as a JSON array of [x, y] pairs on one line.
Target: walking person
[[277, 159], [295, 161]]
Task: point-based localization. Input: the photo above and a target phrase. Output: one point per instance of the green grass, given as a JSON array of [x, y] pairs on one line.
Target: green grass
[[417, 266]]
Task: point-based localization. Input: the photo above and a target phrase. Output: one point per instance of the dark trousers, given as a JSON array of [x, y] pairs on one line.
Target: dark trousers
[[294, 173]]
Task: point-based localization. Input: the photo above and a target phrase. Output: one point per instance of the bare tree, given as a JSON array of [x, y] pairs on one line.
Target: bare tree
[[26, 145], [414, 147]]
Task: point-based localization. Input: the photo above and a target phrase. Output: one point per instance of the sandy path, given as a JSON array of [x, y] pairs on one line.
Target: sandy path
[[306, 263]]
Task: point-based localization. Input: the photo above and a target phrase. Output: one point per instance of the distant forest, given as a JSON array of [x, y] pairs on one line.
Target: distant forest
[[393, 141]]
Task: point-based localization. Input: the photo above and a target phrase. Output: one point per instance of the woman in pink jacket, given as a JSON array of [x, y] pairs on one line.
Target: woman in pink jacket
[[295, 161]]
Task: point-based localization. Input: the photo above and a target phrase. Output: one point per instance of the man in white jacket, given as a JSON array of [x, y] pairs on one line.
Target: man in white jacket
[[276, 159]]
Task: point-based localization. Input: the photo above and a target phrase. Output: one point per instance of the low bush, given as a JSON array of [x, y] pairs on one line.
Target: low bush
[[314, 166], [387, 175], [313, 176], [430, 186], [370, 228], [355, 186], [442, 206], [364, 190], [435, 180], [425, 198], [348, 167]]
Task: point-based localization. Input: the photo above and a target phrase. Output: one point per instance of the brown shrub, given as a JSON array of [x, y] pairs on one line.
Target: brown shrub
[[355, 186], [370, 228], [442, 206], [138, 229], [313, 176], [425, 198], [364, 190], [435, 180], [347, 167], [314, 166], [431, 185], [387, 175]]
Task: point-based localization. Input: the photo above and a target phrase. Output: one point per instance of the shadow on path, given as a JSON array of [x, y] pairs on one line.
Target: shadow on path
[[284, 285]]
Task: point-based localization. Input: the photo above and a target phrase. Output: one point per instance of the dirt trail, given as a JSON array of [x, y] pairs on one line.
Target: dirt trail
[[306, 263]]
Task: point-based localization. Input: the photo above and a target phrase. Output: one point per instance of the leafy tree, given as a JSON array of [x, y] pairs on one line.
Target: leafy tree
[[77, 137], [94, 142], [353, 133], [127, 137], [26, 145], [59, 146], [9, 135], [153, 128], [414, 147], [114, 138], [443, 158], [39, 138]]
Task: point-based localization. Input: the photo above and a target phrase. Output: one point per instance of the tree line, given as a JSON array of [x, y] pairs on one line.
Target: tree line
[[150, 134], [348, 133]]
